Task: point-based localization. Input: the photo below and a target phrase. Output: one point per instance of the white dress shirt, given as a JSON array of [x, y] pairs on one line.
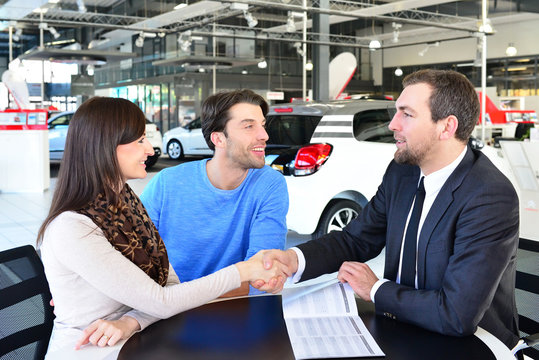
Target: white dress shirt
[[433, 183]]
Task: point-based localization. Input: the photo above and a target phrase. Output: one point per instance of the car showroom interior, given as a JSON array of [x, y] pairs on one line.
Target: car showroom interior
[[219, 179]]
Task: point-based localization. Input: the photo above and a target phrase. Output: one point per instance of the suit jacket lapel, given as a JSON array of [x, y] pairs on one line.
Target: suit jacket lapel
[[404, 196], [438, 209]]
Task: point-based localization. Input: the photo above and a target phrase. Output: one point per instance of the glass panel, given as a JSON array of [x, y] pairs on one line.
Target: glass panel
[[372, 125], [291, 129]]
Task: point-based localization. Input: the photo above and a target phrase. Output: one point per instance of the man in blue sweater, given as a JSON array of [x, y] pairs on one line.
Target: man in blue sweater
[[214, 213]]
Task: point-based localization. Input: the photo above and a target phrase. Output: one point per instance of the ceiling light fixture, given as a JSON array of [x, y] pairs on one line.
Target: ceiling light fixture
[[53, 32], [185, 40], [429, 45], [262, 64], [139, 42], [309, 65], [486, 27], [374, 44], [511, 50], [298, 47], [251, 20], [396, 32], [17, 35], [180, 6], [244, 72], [81, 6], [290, 23], [398, 71]]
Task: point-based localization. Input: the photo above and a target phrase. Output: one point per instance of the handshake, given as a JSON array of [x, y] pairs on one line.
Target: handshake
[[268, 270]]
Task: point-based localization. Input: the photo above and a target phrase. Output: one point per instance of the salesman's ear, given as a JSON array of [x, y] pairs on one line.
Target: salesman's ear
[[449, 127], [218, 139]]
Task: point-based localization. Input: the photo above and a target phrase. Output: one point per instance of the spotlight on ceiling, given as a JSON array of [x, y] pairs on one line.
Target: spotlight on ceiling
[[53, 32], [139, 42], [290, 23], [299, 49], [262, 64], [511, 50], [374, 44], [398, 71], [17, 34], [251, 20], [81, 6], [309, 65], [244, 72], [185, 40], [396, 32]]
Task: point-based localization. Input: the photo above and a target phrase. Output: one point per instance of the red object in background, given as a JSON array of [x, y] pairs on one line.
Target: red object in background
[[500, 116]]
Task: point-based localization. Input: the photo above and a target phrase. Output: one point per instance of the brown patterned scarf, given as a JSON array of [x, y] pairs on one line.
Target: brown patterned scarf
[[131, 231]]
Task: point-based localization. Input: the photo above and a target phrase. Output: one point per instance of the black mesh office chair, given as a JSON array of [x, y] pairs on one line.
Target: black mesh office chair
[[26, 317], [527, 297]]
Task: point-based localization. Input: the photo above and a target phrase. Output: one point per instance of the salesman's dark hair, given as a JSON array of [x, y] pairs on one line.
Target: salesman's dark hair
[[215, 110], [90, 165], [452, 94]]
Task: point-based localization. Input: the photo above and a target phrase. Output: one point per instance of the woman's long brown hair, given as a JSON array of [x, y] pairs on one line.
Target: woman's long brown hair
[[89, 165]]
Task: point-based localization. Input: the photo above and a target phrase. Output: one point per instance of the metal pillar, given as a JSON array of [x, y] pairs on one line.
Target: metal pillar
[[321, 54]]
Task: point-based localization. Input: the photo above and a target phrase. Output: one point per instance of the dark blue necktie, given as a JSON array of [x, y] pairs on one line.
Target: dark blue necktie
[[410, 240]]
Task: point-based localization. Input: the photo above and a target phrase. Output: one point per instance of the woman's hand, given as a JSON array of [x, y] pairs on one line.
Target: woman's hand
[[253, 269], [105, 332]]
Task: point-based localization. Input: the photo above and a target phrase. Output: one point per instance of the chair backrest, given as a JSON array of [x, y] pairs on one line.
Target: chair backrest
[[527, 291], [26, 317]]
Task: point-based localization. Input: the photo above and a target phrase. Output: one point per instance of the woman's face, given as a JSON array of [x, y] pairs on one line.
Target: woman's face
[[132, 156]]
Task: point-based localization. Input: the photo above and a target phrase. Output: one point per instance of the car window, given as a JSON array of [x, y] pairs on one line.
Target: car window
[[194, 124], [291, 129], [61, 120], [372, 125]]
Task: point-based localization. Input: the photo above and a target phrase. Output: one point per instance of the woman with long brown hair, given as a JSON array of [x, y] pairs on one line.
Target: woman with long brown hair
[[106, 264]]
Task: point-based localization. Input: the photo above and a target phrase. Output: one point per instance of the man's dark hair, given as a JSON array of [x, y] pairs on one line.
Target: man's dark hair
[[215, 110], [452, 94]]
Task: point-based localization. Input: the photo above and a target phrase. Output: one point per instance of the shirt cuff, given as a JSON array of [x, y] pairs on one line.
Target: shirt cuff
[[301, 265], [375, 288]]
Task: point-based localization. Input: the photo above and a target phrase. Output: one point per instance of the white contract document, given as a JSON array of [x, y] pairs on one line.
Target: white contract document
[[324, 323]]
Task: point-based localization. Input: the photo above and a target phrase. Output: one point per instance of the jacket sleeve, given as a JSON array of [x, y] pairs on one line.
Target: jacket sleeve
[[361, 240]]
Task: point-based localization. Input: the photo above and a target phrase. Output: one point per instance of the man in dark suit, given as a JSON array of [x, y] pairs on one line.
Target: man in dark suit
[[446, 215]]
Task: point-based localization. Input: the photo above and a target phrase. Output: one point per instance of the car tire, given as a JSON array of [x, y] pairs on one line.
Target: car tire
[[151, 161], [337, 216], [175, 150]]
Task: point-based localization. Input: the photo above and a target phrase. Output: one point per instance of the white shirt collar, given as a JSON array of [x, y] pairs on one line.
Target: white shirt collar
[[434, 182]]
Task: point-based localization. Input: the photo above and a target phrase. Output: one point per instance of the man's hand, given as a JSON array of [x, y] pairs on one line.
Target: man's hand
[[287, 261], [105, 332], [359, 276]]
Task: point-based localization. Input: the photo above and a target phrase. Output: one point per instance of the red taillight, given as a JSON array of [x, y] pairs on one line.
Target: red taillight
[[310, 158], [283, 110]]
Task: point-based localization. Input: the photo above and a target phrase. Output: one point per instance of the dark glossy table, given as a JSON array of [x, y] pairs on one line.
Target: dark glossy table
[[253, 328]]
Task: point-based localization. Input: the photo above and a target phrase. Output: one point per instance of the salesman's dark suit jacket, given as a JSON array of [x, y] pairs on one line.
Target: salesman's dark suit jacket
[[466, 250]]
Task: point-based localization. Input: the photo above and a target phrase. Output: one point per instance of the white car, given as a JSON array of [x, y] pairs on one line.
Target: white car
[[186, 140], [333, 156], [58, 126], [153, 134]]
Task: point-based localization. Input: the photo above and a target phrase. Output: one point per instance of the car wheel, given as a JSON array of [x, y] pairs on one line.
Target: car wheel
[[151, 160], [337, 216], [175, 150]]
